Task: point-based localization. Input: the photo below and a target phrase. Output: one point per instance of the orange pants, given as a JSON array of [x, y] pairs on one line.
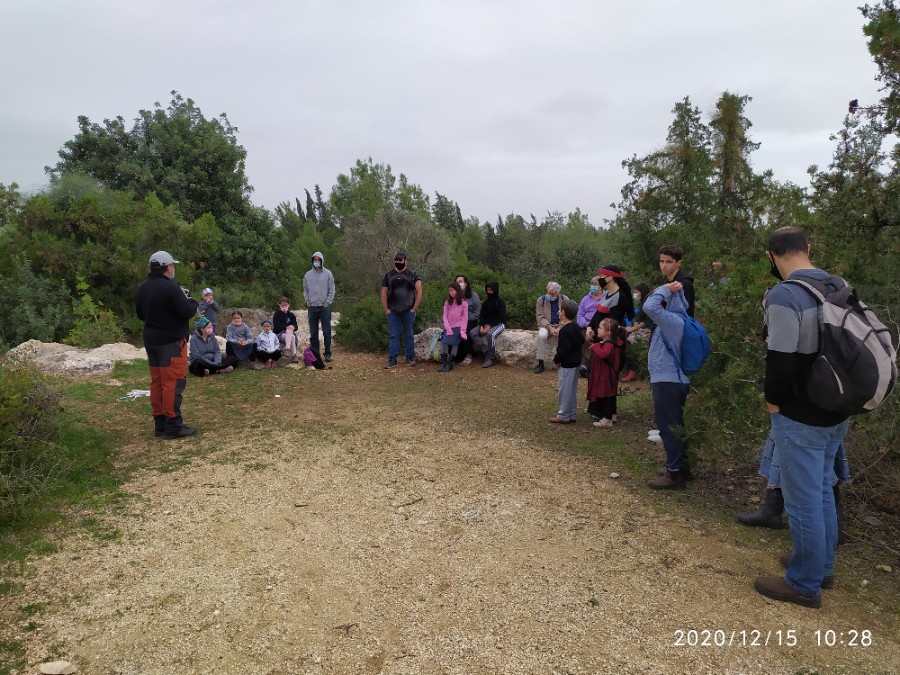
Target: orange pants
[[168, 376]]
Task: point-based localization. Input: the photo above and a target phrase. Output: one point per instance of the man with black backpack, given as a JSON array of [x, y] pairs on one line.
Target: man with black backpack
[[806, 436]]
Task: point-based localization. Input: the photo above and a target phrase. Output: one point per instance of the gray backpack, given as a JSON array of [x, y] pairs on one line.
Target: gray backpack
[[856, 367]]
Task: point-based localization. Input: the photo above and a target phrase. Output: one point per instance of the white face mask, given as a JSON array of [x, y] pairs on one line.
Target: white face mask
[[317, 264], [462, 284]]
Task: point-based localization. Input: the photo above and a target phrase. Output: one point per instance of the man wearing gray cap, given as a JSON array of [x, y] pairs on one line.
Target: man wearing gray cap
[[401, 294], [165, 310]]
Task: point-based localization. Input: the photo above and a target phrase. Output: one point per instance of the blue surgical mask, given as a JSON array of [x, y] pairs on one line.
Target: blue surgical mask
[[317, 264], [594, 289]]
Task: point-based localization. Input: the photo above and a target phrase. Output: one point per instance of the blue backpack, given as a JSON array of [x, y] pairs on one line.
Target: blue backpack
[[695, 346]]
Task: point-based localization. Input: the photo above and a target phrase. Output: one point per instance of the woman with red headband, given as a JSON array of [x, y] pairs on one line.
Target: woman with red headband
[[616, 302]]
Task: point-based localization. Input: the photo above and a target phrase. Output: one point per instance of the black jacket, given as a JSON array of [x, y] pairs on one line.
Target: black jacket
[[281, 320], [493, 309], [162, 306]]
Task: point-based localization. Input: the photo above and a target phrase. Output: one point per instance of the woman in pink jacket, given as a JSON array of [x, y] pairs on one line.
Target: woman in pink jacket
[[456, 318]]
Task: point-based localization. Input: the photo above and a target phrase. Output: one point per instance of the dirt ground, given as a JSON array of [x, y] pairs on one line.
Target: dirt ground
[[368, 521]]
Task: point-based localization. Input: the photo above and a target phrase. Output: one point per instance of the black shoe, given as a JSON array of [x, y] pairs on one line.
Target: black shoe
[[182, 432], [539, 368], [488, 362], [768, 515], [326, 358]]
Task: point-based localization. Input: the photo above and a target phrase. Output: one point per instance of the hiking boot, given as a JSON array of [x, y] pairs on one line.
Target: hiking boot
[[539, 368], [181, 432], [777, 589], [390, 364], [488, 362], [445, 367], [767, 515], [410, 362], [827, 580], [557, 420], [685, 472], [670, 480], [159, 425], [327, 358]]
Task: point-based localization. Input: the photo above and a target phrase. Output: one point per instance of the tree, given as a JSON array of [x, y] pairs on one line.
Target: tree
[[368, 246], [371, 188], [190, 162], [883, 32]]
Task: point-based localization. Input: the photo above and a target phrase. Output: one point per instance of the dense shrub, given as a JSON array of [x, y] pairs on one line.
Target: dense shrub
[[29, 429], [34, 308], [93, 326], [363, 327]]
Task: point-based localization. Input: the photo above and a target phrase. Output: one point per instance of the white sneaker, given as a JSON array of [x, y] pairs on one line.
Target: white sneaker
[[467, 361]]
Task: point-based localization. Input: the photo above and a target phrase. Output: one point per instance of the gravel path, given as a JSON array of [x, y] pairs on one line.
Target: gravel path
[[381, 541]]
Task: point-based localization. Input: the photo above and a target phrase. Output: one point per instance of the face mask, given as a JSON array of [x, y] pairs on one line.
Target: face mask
[[462, 284], [399, 265], [317, 265], [208, 330], [774, 271], [594, 289], [602, 283]]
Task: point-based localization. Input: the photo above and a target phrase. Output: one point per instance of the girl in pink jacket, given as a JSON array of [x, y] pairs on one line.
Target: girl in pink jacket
[[456, 318]]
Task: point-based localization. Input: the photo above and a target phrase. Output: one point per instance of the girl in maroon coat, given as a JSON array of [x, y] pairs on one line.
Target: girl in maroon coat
[[607, 355]]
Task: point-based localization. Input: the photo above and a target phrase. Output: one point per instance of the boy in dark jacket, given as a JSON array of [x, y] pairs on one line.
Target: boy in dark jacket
[[568, 358], [491, 323]]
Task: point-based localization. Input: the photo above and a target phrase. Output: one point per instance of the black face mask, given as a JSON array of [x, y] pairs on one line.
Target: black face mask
[[602, 283], [399, 266], [774, 271]]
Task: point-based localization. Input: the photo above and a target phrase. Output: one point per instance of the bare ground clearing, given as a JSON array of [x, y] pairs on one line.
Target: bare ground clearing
[[370, 521]]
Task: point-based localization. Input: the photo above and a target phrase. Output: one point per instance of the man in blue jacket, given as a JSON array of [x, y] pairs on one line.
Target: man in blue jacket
[[667, 307]]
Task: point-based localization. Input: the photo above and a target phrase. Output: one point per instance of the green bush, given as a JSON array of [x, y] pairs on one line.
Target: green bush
[[93, 326], [363, 327], [29, 429], [34, 308]]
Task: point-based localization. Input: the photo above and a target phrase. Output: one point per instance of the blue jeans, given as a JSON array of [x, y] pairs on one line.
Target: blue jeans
[[668, 412], [319, 315], [401, 324], [770, 470], [806, 457]]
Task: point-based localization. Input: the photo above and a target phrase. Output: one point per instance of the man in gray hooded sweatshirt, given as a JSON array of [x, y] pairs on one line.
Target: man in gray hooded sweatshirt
[[318, 292]]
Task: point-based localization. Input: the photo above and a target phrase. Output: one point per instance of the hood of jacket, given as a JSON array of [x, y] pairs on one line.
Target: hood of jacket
[[494, 286], [317, 254]]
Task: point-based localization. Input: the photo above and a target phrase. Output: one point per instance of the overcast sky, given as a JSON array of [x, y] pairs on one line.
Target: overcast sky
[[524, 106]]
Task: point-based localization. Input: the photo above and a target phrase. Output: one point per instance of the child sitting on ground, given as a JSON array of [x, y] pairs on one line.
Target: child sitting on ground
[[239, 338], [607, 354], [568, 358], [268, 349], [206, 357]]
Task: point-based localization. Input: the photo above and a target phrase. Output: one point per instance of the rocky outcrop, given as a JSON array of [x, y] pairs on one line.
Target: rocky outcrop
[[514, 347], [59, 358]]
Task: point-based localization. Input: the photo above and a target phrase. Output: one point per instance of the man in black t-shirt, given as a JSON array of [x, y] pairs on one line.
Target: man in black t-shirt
[[401, 294]]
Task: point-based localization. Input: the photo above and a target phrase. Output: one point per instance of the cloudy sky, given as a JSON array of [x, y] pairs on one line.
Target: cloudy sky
[[524, 106]]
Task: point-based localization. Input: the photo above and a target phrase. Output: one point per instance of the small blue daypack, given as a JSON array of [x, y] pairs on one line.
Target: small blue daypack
[[695, 346]]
